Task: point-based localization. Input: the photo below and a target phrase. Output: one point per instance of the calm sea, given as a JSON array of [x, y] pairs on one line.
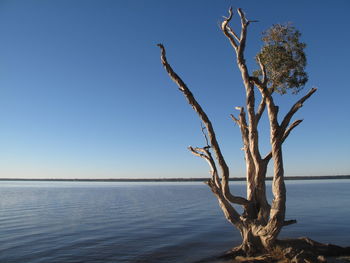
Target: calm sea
[[147, 222]]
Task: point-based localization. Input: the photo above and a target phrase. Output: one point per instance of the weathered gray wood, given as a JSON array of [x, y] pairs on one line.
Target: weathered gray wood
[[225, 190], [260, 223]]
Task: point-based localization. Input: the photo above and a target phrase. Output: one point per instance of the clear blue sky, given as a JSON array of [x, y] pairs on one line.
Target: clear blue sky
[[83, 93]]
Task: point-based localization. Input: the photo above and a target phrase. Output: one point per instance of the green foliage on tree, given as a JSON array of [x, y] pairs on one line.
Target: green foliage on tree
[[284, 59]]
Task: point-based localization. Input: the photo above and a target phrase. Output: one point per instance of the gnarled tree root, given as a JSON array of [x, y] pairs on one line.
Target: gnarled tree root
[[301, 250]]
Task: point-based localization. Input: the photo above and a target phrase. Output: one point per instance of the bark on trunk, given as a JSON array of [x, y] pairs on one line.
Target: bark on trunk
[[251, 244], [260, 223]]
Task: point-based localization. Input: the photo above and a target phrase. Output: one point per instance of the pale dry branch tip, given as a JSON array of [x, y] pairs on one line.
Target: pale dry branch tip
[[289, 222], [161, 46], [234, 118], [230, 11], [230, 15], [190, 148], [242, 15], [297, 122], [290, 128], [228, 32], [295, 108]]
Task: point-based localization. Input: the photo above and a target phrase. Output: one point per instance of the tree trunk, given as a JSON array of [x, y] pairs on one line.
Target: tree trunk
[[260, 223], [251, 244]]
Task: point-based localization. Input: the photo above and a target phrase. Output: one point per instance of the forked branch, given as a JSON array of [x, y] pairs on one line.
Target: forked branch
[[242, 123], [250, 135], [211, 134], [284, 137], [206, 155], [295, 108], [197, 108], [243, 37], [229, 33]]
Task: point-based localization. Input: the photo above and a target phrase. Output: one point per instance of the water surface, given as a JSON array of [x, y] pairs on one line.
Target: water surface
[[147, 222]]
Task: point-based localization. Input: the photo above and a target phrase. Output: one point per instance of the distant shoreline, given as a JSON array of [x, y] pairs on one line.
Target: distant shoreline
[[327, 177]]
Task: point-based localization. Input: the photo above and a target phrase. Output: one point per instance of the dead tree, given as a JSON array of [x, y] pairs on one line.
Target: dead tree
[[281, 65]]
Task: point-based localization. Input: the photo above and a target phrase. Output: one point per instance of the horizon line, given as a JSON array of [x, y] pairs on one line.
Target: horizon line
[[194, 179]]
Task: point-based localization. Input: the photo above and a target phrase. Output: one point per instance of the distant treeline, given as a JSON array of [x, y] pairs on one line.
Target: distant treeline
[[175, 179]]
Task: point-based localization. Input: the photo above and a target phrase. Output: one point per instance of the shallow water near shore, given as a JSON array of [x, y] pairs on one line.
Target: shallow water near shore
[[148, 222]]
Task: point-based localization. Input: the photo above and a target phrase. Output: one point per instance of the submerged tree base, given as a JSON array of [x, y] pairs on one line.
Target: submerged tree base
[[301, 250]]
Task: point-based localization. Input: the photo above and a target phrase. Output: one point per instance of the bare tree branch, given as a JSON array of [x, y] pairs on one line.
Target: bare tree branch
[[235, 119], [290, 222], [284, 137], [244, 125], [205, 154], [249, 131], [252, 131], [197, 108], [242, 120], [260, 223], [204, 134], [243, 36], [262, 105], [244, 21], [290, 128], [283, 127], [229, 33], [203, 116], [295, 108], [230, 213], [233, 33], [263, 70], [260, 110]]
